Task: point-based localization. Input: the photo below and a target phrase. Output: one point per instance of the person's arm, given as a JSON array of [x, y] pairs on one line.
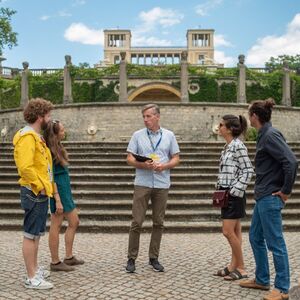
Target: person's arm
[[56, 196], [25, 151], [131, 161], [172, 163], [246, 173], [277, 147]]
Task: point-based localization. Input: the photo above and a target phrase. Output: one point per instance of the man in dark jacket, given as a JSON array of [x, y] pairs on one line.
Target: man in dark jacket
[[276, 169]]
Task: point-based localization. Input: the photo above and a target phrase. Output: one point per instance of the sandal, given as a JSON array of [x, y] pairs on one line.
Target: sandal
[[235, 275], [222, 272]]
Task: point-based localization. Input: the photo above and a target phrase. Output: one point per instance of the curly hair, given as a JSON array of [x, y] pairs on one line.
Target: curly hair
[[35, 108]]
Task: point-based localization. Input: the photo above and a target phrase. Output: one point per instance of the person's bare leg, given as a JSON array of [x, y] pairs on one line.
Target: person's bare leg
[[73, 222], [229, 231], [56, 221], [29, 250]]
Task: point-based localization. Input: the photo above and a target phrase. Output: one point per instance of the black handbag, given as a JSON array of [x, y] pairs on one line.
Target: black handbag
[[220, 198]]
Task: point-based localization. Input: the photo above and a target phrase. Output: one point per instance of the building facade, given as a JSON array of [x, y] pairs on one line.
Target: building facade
[[200, 49]]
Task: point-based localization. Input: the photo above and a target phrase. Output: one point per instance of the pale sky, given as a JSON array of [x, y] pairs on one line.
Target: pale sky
[[50, 29]]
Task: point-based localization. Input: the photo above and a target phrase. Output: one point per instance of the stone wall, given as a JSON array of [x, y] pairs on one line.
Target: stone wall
[[115, 121]]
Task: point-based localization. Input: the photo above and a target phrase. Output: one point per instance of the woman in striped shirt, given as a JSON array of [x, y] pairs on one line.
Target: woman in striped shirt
[[235, 172]]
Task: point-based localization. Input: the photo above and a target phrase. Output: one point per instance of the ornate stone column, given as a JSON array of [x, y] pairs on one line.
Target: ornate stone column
[[286, 85], [184, 77], [123, 79], [24, 84], [67, 81], [241, 92]]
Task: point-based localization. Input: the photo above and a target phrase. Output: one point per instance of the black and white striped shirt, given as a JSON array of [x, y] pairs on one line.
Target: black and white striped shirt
[[235, 169]]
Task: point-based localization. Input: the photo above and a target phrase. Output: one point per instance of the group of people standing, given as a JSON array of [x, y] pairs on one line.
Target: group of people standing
[[153, 151]]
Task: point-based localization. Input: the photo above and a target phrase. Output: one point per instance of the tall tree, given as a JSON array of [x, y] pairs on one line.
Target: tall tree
[[276, 62], [7, 36]]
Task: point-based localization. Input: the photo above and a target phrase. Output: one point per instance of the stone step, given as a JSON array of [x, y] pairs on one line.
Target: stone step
[[127, 194], [123, 169], [199, 204], [170, 226], [179, 215], [103, 177], [117, 185]]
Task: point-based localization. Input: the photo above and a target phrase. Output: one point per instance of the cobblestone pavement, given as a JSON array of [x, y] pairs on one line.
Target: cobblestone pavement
[[189, 260]]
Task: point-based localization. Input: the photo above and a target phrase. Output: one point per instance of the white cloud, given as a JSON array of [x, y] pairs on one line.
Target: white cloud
[[151, 20], [221, 58], [204, 8], [219, 40], [138, 40], [271, 45], [64, 14], [158, 16], [78, 2], [78, 32], [45, 18]]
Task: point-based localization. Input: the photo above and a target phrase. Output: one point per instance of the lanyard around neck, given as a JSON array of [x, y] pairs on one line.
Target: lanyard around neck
[[151, 142]]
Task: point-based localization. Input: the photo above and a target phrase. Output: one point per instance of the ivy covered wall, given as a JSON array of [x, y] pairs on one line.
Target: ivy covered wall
[[87, 86]]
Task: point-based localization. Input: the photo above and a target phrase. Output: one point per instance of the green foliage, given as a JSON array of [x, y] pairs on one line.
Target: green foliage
[[277, 62], [251, 134], [153, 72], [208, 91], [105, 93], [10, 93], [7, 36], [46, 86], [228, 92]]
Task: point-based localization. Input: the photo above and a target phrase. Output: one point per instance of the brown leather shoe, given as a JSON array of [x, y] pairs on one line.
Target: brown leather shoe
[[251, 284], [61, 267], [73, 261], [276, 295]]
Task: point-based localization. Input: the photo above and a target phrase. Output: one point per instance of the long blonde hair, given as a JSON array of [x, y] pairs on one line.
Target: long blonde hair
[[58, 151]]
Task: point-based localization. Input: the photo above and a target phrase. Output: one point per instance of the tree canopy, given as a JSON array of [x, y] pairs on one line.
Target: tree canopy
[[276, 62], [7, 36]]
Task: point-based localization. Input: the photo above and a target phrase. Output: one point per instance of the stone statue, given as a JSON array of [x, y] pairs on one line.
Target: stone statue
[[241, 58], [67, 81], [184, 55], [25, 65], [24, 84], [68, 59], [123, 55]]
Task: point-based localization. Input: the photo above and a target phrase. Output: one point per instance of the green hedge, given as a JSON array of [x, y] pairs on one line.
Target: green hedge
[[10, 93]]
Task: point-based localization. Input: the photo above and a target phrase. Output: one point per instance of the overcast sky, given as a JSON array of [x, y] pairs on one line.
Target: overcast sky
[[50, 29]]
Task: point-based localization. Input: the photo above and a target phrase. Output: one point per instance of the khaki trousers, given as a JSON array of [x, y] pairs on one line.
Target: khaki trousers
[[141, 198]]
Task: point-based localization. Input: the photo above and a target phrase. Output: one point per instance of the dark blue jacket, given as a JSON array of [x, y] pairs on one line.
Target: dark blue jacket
[[275, 163]]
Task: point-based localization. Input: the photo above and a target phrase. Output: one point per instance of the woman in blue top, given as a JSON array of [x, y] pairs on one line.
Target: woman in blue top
[[62, 205]]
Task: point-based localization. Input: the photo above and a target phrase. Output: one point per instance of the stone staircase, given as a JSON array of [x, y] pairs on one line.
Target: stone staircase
[[102, 186]]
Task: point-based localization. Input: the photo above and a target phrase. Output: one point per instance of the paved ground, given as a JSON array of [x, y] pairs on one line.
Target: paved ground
[[189, 259]]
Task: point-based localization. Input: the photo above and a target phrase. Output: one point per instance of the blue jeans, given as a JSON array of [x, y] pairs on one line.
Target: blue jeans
[[35, 213], [266, 230]]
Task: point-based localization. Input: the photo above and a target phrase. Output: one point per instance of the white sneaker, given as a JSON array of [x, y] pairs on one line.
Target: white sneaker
[[42, 273], [38, 283]]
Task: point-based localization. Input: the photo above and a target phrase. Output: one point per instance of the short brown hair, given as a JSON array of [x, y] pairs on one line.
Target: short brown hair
[[35, 108], [155, 107]]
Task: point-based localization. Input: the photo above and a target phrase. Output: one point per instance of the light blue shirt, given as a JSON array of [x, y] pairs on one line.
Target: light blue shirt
[[140, 143]]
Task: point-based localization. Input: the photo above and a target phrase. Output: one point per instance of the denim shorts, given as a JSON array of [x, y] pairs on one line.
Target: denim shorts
[[36, 212]]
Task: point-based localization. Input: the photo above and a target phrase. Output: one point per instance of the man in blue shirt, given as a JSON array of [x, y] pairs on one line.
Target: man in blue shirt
[[152, 181], [276, 169]]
